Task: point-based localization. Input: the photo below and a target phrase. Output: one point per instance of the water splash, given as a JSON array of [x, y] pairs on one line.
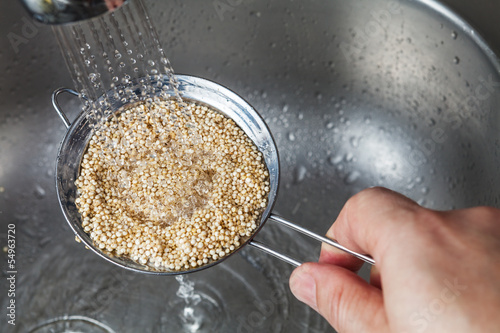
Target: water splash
[[125, 44], [190, 320], [199, 312]]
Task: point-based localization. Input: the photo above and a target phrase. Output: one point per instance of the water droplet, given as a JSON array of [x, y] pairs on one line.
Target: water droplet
[[425, 190], [44, 241], [93, 77], [118, 55], [300, 116], [151, 63], [456, 60], [351, 177], [349, 157], [354, 141], [300, 174], [421, 201], [329, 125], [39, 192], [291, 136], [454, 35], [335, 159]]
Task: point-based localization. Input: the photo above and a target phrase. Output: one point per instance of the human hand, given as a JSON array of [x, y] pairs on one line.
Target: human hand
[[113, 4], [435, 271]]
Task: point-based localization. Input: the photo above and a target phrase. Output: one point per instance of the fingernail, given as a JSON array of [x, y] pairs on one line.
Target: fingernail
[[303, 287]]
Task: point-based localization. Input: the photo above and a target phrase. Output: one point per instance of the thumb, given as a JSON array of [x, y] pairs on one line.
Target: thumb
[[348, 302]]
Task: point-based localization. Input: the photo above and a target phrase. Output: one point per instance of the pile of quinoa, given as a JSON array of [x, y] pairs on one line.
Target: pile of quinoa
[[171, 191]]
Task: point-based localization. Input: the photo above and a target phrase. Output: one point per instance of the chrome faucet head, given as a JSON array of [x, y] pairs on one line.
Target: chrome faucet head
[[67, 11]]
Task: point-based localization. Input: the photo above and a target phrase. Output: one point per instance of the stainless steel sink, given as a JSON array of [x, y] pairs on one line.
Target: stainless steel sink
[[401, 94]]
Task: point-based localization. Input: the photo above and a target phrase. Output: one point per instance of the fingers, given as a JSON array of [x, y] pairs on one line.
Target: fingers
[[375, 277], [368, 223], [344, 299], [333, 256]]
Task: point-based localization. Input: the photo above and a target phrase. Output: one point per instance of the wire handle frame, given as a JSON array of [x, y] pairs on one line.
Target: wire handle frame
[[309, 233], [57, 107]]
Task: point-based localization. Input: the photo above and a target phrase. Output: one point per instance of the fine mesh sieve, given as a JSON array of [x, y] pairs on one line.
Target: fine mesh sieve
[[192, 89]]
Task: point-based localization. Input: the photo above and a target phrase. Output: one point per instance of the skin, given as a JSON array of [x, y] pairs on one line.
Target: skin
[[113, 4], [435, 271]]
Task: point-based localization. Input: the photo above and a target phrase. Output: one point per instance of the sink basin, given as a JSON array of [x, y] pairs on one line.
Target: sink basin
[[401, 94]]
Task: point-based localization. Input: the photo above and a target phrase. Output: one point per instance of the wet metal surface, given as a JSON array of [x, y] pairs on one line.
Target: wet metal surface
[[356, 93]]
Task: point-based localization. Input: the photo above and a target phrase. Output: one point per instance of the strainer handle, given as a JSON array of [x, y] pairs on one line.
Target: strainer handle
[[57, 107], [309, 233]]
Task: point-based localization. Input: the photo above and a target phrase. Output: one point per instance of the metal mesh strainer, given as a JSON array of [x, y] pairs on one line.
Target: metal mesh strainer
[[193, 89]]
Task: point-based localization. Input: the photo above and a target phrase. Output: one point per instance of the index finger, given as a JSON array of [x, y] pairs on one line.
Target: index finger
[[368, 223]]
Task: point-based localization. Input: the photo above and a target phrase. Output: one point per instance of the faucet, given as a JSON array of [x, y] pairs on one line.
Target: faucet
[[68, 11]]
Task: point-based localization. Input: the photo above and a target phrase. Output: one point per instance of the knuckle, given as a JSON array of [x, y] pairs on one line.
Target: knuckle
[[361, 199], [426, 222], [486, 218], [368, 194], [485, 213], [427, 217]]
